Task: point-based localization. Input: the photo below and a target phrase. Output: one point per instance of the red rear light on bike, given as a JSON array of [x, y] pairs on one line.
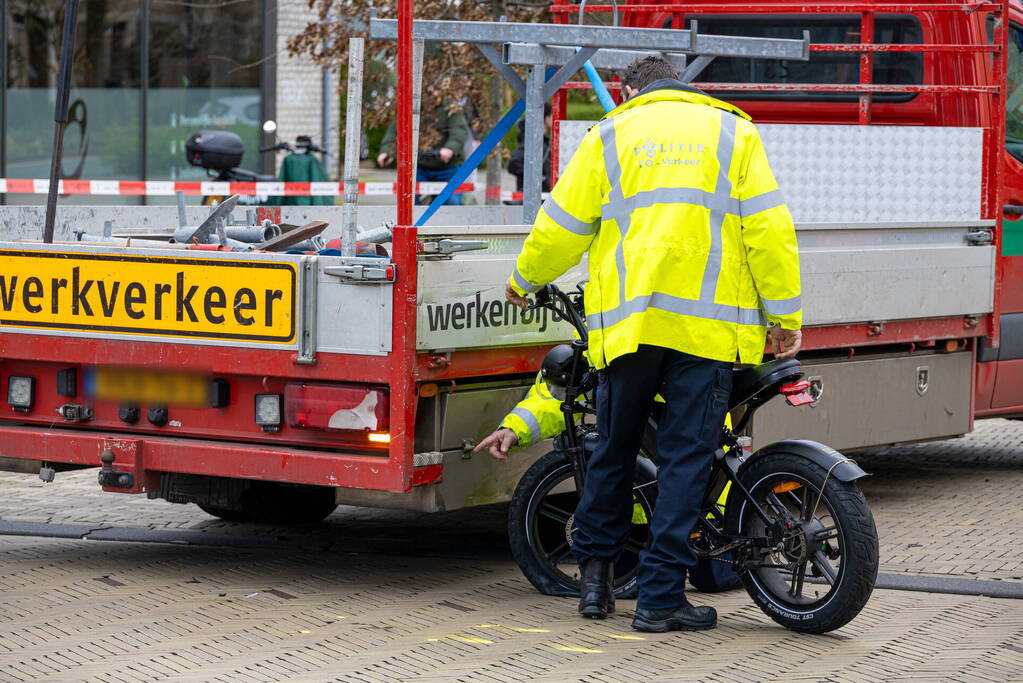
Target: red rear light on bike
[[337, 407], [797, 393]]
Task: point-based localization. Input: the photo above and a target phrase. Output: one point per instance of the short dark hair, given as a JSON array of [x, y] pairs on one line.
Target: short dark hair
[[645, 71]]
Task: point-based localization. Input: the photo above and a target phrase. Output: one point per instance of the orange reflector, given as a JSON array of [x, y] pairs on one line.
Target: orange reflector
[[380, 437], [427, 390], [787, 486], [952, 345], [695, 534]]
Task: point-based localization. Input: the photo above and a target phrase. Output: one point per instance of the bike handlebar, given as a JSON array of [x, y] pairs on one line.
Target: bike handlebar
[[549, 296]]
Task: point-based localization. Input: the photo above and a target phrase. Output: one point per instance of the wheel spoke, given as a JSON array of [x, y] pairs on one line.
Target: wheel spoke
[[551, 511], [804, 505], [824, 567], [559, 553], [796, 589], [826, 534]]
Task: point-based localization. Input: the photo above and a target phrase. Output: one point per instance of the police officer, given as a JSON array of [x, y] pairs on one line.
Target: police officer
[[692, 252]]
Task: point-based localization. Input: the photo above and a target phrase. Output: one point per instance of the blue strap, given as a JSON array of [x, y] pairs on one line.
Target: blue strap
[[474, 160]]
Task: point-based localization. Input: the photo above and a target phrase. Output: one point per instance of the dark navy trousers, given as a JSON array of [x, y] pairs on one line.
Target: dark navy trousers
[[695, 391]]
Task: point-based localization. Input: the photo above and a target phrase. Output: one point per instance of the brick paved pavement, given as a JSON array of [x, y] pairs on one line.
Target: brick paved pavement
[[395, 596]]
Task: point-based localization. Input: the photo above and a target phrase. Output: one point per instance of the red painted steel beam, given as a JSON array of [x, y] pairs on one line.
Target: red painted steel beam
[[401, 373], [994, 142], [527, 359], [189, 357], [194, 456], [783, 8], [850, 87], [866, 66], [818, 87], [908, 47]]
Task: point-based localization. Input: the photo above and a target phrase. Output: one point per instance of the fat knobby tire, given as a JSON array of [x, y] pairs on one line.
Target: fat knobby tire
[[858, 543], [554, 464]]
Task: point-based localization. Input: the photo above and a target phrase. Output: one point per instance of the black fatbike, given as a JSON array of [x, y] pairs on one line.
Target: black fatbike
[[794, 524]]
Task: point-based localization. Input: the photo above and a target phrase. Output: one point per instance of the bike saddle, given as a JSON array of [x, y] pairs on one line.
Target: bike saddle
[[747, 383]]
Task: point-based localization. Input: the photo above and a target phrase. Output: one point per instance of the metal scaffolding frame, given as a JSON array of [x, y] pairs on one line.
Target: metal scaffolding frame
[[538, 46]]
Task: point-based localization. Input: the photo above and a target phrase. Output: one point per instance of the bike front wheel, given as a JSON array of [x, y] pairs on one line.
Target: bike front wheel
[[822, 573], [541, 520]]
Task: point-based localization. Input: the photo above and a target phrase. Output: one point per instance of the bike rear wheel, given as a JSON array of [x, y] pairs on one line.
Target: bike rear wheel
[[541, 520], [824, 572]]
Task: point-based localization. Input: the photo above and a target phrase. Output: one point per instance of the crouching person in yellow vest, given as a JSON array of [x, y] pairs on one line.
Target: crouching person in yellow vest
[[538, 417]]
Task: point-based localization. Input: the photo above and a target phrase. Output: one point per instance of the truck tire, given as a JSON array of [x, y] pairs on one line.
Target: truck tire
[[226, 514], [540, 523], [275, 503]]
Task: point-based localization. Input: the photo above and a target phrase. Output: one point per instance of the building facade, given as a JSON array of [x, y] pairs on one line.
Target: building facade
[[147, 75]]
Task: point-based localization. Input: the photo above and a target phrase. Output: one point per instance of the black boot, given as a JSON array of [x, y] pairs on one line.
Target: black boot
[[685, 617], [596, 599]]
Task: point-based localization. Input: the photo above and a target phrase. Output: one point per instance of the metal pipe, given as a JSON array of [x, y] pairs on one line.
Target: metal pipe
[[327, 105], [532, 143], [67, 52], [418, 52], [353, 144], [252, 234], [143, 25], [496, 32]]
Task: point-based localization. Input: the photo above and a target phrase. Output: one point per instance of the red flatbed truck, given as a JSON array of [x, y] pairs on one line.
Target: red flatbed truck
[[278, 385]]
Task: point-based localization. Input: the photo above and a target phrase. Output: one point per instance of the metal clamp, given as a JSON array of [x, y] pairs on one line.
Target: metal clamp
[[980, 237], [447, 247], [360, 274], [308, 290]]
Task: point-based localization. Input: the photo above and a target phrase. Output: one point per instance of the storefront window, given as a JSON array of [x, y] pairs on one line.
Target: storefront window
[[203, 73], [102, 138]]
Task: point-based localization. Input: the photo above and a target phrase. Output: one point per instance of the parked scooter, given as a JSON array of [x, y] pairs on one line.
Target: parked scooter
[[220, 152]]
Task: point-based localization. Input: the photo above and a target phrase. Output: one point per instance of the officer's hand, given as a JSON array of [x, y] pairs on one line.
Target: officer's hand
[[511, 295], [499, 443], [383, 159], [446, 154], [786, 343]]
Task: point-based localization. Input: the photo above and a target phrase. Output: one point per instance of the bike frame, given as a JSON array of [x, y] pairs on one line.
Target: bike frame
[[726, 463]]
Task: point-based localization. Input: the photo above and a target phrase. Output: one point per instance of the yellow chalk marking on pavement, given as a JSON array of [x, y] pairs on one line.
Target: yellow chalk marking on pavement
[[305, 631], [338, 616], [569, 648], [488, 626], [473, 639], [532, 630], [433, 640], [615, 635]]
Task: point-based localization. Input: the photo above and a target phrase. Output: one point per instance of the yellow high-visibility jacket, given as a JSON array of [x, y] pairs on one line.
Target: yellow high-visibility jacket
[[536, 417], [691, 246]]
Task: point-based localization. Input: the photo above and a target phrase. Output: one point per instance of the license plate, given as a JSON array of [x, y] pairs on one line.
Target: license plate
[[146, 386]]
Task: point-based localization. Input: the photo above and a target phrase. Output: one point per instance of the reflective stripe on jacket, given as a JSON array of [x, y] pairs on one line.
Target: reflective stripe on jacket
[[536, 417], [691, 246]]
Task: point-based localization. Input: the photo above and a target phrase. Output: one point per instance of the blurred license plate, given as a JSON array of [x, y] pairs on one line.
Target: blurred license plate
[[142, 386]]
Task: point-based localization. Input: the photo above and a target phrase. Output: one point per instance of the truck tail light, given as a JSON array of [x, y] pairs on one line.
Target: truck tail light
[[797, 393], [338, 407], [21, 392]]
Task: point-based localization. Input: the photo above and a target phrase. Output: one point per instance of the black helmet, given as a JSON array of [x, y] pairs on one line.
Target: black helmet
[[557, 370]]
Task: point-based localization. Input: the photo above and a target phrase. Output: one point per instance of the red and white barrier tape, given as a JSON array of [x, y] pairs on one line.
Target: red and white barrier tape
[[157, 188]]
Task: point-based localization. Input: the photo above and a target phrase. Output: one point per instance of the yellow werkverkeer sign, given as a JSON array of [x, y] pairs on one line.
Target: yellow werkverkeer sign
[[245, 300]]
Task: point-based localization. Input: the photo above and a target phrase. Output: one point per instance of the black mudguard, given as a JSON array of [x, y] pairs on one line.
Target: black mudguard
[[840, 466]]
